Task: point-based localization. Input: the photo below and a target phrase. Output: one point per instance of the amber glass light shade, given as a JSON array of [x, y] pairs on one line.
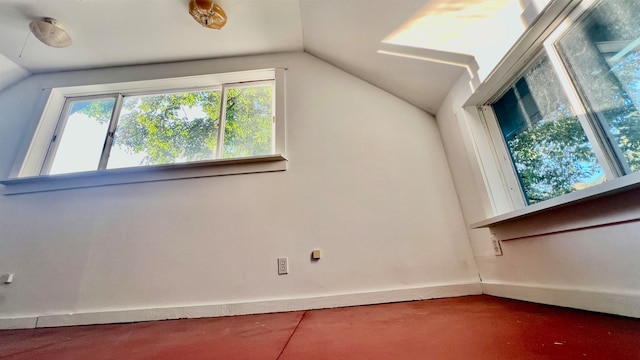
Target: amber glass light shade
[[207, 13]]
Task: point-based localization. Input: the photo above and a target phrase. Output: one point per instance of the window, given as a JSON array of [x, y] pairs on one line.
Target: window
[[121, 130], [161, 129], [602, 56], [571, 119], [549, 149]]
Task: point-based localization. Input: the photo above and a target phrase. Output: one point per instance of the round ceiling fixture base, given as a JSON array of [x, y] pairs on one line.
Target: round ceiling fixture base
[[50, 32]]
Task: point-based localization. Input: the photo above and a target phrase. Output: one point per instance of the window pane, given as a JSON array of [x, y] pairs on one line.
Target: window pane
[[549, 149], [249, 121], [82, 139], [166, 128], [602, 53]]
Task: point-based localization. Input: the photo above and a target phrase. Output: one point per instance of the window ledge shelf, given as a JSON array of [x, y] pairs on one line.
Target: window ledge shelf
[[604, 190], [222, 167]]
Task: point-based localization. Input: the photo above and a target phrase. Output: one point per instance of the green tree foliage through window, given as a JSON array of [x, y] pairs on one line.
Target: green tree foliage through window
[[184, 127], [550, 151], [599, 56], [249, 122], [554, 158], [169, 128]]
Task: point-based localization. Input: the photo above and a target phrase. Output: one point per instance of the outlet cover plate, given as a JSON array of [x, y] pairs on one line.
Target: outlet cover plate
[[283, 266], [497, 248]]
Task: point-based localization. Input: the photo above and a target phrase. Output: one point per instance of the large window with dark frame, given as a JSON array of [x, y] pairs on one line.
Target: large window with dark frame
[[108, 131], [571, 120]]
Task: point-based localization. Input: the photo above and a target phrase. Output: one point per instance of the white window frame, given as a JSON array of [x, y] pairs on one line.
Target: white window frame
[[26, 176], [505, 192], [49, 155], [513, 188]]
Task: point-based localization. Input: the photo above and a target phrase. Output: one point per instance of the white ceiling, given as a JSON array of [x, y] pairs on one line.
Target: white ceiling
[[345, 33], [124, 32]]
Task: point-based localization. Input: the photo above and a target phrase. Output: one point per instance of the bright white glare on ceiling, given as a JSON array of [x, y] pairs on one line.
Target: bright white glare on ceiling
[[485, 29]]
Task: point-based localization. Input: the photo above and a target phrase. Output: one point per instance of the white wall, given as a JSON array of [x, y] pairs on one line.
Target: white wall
[[10, 72], [367, 182], [583, 256]]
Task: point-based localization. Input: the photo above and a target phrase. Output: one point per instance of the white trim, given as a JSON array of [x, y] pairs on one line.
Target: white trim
[[219, 167], [521, 53], [502, 191], [615, 186], [566, 83], [442, 57], [18, 323], [532, 10], [280, 112], [222, 121], [167, 85], [33, 152], [113, 126], [30, 164], [555, 21], [507, 170], [246, 308], [485, 167], [618, 303]]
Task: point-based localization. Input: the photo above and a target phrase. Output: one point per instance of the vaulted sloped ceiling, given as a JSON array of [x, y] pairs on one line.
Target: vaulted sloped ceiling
[[345, 33], [348, 34]]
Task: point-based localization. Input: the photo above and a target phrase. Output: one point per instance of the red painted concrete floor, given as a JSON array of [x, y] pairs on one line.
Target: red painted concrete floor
[[473, 327]]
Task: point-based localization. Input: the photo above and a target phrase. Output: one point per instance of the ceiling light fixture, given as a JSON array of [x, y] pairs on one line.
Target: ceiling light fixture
[[50, 32], [207, 13]]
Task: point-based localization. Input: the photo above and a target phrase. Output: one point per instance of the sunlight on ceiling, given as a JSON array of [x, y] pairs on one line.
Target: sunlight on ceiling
[[484, 29]]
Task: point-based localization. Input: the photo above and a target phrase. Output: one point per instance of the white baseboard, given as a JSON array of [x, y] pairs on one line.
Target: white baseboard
[[246, 308], [18, 323], [625, 304]]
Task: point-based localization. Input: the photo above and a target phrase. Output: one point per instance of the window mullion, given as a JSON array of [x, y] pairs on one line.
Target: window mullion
[[221, 122], [606, 160], [108, 142], [55, 138]]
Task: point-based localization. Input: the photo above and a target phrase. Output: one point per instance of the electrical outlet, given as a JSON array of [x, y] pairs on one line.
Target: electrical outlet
[[7, 278], [283, 266], [497, 249]]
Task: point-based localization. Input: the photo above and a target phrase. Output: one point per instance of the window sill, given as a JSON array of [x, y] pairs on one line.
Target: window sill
[[222, 167], [604, 192]]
